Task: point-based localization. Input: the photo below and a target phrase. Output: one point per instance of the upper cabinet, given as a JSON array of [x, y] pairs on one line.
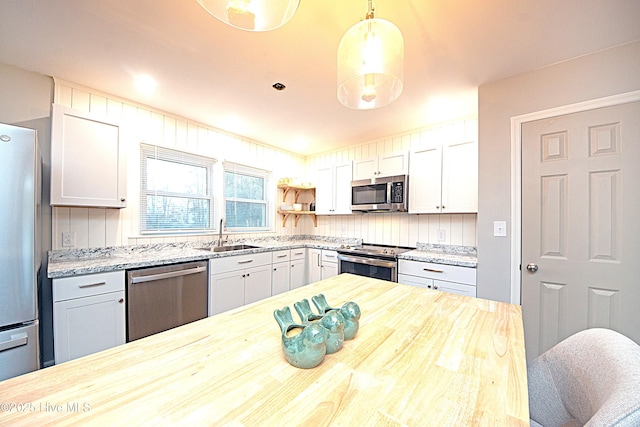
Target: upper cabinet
[[390, 164], [87, 160], [444, 178], [333, 190]]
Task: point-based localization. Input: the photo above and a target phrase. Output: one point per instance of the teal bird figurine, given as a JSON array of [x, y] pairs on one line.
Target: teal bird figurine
[[350, 312], [304, 346], [332, 320]]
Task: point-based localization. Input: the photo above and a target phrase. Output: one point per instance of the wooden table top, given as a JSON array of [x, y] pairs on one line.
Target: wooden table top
[[421, 357]]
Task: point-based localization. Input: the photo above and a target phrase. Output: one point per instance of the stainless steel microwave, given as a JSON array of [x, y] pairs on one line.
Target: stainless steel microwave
[[386, 194]]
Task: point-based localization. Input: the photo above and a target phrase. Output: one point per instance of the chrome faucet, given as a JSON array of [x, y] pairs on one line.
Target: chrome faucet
[[220, 232]]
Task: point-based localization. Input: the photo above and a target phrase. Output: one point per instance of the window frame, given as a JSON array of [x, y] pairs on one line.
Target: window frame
[[149, 151], [268, 203]]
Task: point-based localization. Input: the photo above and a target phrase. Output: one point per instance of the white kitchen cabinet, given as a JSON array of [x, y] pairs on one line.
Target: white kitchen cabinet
[[88, 314], [238, 280], [333, 190], [444, 178], [389, 164], [88, 160], [446, 278], [298, 268], [322, 264], [280, 272]]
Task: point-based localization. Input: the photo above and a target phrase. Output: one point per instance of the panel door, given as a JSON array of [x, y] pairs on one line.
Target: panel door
[[425, 180], [315, 265], [342, 189], [298, 276], [280, 277], [87, 325], [391, 164], [257, 283], [460, 177], [365, 168], [227, 291], [580, 180], [324, 191], [88, 162]]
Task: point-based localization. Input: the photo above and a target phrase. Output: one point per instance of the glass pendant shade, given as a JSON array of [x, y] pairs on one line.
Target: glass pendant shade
[[252, 15], [370, 65]]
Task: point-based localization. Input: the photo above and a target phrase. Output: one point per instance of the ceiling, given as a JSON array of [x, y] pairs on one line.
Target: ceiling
[[221, 76]]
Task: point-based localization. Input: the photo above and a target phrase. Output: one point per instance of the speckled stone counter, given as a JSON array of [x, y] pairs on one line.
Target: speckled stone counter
[[65, 263], [462, 256]]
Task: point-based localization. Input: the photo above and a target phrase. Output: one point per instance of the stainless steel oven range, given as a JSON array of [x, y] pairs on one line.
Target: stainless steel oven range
[[370, 260]]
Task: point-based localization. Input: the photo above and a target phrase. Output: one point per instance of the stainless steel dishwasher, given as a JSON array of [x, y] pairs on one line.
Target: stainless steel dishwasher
[[161, 298]]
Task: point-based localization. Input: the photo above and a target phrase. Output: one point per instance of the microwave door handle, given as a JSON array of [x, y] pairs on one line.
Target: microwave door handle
[[389, 186]]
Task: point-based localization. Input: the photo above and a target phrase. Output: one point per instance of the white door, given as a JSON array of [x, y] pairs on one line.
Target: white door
[[580, 207]]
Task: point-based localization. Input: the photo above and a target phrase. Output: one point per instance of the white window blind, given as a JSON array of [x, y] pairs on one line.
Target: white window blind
[[176, 191], [246, 197]]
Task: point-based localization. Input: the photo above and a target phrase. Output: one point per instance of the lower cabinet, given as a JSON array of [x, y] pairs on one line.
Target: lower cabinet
[[446, 278], [88, 314], [322, 264], [280, 272], [238, 280], [298, 268]]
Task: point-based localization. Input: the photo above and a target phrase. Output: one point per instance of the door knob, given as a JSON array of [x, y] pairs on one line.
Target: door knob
[[532, 267]]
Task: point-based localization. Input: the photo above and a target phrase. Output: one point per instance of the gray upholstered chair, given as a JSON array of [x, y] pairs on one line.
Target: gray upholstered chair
[[591, 378]]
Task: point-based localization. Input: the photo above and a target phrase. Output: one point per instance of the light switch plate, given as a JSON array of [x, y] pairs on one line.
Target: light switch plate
[[500, 228], [442, 235]]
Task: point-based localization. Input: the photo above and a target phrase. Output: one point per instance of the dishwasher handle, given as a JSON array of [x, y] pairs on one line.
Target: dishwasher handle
[[178, 273]]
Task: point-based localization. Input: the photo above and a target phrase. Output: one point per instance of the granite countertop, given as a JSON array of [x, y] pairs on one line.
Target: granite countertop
[[65, 263], [461, 256]]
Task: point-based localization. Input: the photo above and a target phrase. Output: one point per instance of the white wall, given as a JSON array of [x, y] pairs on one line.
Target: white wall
[[399, 228], [96, 227], [609, 72]]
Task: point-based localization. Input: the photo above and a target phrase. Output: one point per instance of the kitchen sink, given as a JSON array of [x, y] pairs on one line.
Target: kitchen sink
[[228, 248]]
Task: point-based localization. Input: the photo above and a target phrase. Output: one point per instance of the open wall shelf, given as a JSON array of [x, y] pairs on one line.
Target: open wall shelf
[[286, 189]]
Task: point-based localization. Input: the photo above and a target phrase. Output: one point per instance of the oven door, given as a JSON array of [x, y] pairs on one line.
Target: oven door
[[370, 267]]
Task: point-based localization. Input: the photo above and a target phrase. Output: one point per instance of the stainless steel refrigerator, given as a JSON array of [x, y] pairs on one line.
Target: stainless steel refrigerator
[[19, 250]]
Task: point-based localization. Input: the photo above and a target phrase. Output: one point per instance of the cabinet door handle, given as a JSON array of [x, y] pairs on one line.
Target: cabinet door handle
[[121, 300], [433, 271], [91, 285]]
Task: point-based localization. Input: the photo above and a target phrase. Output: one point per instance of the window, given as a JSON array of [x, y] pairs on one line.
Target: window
[[245, 197], [176, 193]]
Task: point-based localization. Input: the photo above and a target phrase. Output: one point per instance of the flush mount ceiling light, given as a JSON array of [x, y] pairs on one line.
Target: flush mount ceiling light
[[252, 15], [370, 64]]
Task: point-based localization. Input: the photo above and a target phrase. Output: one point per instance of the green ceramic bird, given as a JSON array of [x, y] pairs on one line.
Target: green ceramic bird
[[332, 320], [304, 346], [349, 310]]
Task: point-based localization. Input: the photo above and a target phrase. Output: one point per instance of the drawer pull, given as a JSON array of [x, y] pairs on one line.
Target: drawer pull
[[245, 261], [282, 256], [433, 271], [92, 285]]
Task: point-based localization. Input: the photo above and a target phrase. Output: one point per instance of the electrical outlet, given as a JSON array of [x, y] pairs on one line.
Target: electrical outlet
[[68, 239], [442, 235]]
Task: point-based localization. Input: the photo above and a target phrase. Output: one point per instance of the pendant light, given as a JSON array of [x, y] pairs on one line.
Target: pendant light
[[370, 64], [252, 15]]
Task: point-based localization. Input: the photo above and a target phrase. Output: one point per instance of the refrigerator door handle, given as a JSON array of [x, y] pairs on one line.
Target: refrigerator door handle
[[16, 340]]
